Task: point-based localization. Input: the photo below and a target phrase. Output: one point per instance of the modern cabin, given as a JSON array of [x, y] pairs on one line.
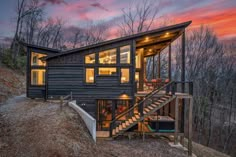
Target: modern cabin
[[108, 80]]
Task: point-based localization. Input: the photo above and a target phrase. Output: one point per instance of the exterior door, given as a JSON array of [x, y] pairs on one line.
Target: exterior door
[[107, 110], [104, 114]]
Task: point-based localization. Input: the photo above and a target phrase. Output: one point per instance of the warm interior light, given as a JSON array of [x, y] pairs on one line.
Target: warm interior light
[[123, 78], [167, 33], [150, 50], [91, 78]]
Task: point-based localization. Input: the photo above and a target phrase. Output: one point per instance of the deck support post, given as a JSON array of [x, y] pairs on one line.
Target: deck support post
[[142, 71], [143, 130], [183, 80], [176, 120], [61, 102], [153, 67], [190, 127], [169, 63], [159, 65]]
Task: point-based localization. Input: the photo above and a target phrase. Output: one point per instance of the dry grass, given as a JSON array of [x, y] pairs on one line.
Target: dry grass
[[36, 128]]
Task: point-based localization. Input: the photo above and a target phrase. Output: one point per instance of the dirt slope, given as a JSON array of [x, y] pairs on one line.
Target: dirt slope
[[36, 128], [11, 83]]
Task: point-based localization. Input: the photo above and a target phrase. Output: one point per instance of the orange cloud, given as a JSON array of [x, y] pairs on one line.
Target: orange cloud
[[223, 22]]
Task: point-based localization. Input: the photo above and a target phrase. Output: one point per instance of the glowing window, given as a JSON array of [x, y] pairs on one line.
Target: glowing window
[[124, 75], [36, 59], [138, 60], [90, 59], [38, 77], [107, 71], [89, 75], [107, 57], [125, 55]]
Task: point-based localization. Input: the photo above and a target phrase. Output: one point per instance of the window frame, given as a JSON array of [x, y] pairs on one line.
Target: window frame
[[95, 60], [32, 67], [43, 79], [116, 53], [128, 55]]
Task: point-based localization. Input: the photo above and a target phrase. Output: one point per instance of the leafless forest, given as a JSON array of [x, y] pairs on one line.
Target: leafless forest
[[210, 61]]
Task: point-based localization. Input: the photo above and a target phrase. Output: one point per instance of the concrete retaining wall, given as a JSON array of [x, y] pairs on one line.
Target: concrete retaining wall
[[89, 120]]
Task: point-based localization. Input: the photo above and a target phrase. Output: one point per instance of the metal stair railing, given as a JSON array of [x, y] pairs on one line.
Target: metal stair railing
[[170, 87]]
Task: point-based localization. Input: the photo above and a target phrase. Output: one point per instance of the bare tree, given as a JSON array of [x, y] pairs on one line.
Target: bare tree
[[211, 68], [22, 11], [138, 17]]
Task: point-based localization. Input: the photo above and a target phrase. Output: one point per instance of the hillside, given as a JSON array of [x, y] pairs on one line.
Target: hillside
[[11, 83], [36, 128]]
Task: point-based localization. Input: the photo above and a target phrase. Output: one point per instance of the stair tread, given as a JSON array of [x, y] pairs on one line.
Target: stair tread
[[146, 109], [154, 105], [123, 125], [130, 121], [120, 127], [150, 107], [113, 131], [137, 116], [117, 129], [127, 123], [134, 119]]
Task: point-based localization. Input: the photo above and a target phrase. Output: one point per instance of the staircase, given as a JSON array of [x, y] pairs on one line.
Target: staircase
[[145, 108]]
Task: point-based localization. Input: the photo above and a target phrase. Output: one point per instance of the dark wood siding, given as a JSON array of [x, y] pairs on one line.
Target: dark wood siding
[[67, 74], [66, 79]]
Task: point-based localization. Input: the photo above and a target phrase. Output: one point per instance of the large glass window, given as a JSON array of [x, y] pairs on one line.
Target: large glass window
[[124, 75], [89, 75], [38, 77], [35, 59], [107, 71], [107, 57], [90, 59], [125, 55]]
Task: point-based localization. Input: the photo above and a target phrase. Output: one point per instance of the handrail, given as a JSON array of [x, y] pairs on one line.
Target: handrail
[[138, 104]]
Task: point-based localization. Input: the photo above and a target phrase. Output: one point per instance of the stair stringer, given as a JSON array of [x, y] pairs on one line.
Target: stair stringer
[[144, 116]]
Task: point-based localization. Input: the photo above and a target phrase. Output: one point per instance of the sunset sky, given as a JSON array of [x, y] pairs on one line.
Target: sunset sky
[[218, 14]]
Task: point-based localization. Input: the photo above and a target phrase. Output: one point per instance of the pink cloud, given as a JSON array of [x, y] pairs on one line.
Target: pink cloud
[[98, 5], [53, 2]]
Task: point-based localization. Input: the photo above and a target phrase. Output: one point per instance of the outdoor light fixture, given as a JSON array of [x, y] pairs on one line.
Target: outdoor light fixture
[[147, 39]]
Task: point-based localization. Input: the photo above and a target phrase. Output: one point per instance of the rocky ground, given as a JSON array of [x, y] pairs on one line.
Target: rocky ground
[[36, 128]]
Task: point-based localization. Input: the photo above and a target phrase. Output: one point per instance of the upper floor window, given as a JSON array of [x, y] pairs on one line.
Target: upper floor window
[[125, 54], [107, 71], [107, 57], [90, 59], [35, 59]]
